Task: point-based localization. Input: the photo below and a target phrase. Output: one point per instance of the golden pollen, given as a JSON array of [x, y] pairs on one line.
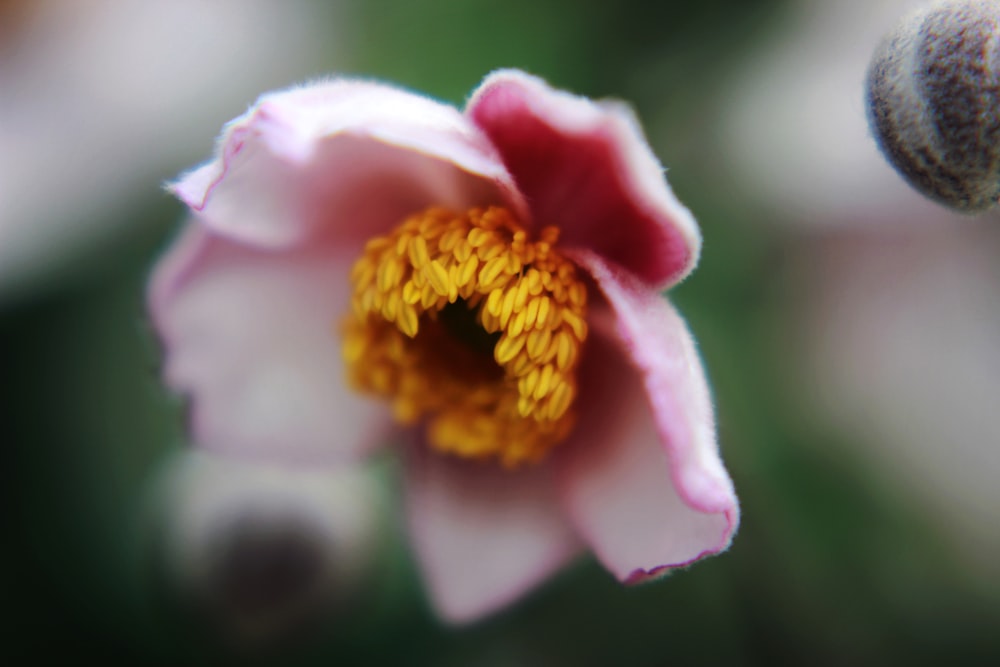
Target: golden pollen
[[464, 322]]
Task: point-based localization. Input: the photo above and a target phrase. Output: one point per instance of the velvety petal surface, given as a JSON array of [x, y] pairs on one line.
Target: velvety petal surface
[[350, 157], [641, 476], [483, 535], [250, 338], [587, 168]]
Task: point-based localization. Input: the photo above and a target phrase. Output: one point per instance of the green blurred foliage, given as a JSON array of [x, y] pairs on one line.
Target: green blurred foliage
[[828, 568]]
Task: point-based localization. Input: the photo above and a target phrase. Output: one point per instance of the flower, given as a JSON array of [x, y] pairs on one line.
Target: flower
[[350, 210]]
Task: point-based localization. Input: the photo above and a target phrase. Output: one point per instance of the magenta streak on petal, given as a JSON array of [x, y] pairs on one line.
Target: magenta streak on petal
[[641, 576]]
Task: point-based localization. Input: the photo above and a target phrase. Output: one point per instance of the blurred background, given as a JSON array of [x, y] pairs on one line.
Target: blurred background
[[851, 331]]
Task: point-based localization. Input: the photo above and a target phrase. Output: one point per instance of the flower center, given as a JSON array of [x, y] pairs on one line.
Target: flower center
[[462, 321]]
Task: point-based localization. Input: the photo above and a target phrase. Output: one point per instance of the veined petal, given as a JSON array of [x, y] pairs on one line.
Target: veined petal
[[483, 535], [250, 338], [587, 168], [641, 477], [347, 157]]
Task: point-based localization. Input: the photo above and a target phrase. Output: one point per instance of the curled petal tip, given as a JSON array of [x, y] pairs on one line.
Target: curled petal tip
[[586, 167]]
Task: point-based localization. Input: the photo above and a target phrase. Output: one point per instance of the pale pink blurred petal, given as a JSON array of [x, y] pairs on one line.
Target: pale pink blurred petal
[[349, 157], [103, 100], [587, 168], [250, 338], [483, 535], [641, 476]]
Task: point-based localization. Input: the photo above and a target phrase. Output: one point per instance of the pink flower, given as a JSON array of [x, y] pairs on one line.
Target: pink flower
[[554, 400]]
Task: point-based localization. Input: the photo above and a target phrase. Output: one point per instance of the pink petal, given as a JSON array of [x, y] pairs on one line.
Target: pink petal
[[350, 157], [641, 476], [483, 535], [250, 338], [587, 168]]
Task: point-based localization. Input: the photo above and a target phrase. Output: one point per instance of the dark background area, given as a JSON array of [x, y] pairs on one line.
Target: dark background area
[[834, 562]]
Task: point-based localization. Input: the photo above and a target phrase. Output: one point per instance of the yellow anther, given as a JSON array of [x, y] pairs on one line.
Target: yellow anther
[[522, 295], [564, 349], [532, 313], [507, 308], [391, 305], [489, 252], [544, 382], [478, 237], [507, 348], [534, 281], [492, 270], [428, 297], [418, 252], [513, 263], [560, 399], [527, 383], [488, 320], [402, 243], [411, 293], [468, 271], [542, 319], [389, 274], [521, 364], [468, 325], [453, 284], [408, 322], [437, 276], [449, 240], [538, 342], [462, 250], [516, 325], [494, 302]]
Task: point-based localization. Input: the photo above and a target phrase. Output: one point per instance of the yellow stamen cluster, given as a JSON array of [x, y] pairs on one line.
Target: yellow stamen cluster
[[463, 321]]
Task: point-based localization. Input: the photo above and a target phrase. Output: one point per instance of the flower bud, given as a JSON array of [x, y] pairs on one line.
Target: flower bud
[[258, 555], [932, 94]]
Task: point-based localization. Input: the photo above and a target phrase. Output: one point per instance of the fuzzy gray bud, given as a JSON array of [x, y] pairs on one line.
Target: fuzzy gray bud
[[933, 97]]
